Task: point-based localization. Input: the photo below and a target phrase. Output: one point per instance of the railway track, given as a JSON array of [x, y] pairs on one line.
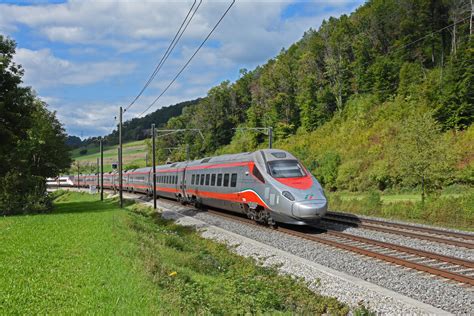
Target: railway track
[[450, 268], [455, 269], [424, 233]]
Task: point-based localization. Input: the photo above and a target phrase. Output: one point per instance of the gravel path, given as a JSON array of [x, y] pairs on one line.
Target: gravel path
[[447, 250], [448, 296]]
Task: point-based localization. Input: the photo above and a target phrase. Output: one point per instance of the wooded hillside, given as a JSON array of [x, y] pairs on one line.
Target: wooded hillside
[[349, 98]]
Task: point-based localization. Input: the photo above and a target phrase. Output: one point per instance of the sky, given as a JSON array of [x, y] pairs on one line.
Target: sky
[[87, 58]]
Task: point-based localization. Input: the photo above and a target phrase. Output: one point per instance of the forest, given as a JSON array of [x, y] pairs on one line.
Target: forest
[[375, 100]]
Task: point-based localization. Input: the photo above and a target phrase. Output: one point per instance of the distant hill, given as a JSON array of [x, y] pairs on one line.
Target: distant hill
[[73, 141], [137, 128]]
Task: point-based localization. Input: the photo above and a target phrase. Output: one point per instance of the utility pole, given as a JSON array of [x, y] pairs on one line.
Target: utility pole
[[98, 173], [78, 174], [101, 170], [120, 159], [153, 131], [270, 137], [146, 159], [187, 152]]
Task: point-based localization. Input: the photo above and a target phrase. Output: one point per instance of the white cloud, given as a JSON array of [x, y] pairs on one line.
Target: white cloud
[[100, 36], [43, 69]]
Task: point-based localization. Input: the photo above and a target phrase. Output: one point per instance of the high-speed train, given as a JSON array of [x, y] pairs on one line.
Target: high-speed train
[[267, 185]]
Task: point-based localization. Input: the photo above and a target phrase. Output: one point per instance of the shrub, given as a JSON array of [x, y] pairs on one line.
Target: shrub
[[21, 193]]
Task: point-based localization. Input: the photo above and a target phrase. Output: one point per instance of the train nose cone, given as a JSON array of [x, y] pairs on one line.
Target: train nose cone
[[310, 209]]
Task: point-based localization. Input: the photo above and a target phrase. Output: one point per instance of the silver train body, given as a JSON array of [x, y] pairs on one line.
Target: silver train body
[[267, 185]]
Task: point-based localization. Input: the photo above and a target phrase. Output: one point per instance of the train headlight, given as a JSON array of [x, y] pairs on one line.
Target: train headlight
[[288, 195]]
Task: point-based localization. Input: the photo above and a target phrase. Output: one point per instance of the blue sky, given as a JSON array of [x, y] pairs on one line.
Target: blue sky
[[86, 58]]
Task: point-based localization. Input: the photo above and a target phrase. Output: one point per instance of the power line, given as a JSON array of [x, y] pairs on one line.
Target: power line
[[189, 60], [168, 51], [429, 34], [417, 40]]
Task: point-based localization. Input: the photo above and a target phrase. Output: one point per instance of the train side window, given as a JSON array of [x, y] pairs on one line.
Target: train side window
[[198, 177], [175, 179], [167, 180], [213, 179], [219, 179], [208, 177], [257, 174], [202, 179], [233, 180], [192, 179], [226, 180]]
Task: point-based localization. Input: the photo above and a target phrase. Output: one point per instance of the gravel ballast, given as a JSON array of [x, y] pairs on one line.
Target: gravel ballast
[[447, 250], [323, 280], [444, 296], [448, 296]]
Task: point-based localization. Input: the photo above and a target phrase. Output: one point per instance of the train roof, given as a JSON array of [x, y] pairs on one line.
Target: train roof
[[144, 169], [223, 158], [270, 154]]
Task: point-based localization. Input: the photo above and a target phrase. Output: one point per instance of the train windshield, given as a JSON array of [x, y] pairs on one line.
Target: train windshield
[[286, 169]]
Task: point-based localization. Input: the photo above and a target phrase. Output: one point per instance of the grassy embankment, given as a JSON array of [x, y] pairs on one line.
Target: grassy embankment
[[133, 155], [89, 256], [452, 207]]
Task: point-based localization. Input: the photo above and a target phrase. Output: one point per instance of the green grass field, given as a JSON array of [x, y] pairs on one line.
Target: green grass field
[[90, 257], [452, 208], [79, 259], [392, 198], [134, 153]]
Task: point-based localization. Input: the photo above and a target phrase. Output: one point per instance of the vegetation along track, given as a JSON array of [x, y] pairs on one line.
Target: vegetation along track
[[425, 233], [447, 267]]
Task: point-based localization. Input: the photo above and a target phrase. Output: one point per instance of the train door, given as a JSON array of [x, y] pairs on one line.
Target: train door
[[182, 182]]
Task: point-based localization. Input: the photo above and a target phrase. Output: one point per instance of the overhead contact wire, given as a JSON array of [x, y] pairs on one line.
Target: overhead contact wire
[[167, 53], [189, 60]]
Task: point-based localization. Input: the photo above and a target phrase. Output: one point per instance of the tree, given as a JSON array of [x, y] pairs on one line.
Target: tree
[[32, 141], [421, 156]]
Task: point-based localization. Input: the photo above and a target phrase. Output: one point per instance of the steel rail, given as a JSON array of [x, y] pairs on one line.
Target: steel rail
[[388, 258], [421, 253], [452, 242], [429, 230]]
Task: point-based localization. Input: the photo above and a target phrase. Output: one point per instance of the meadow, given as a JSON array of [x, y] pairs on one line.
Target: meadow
[[89, 256], [134, 156], [452, 207]]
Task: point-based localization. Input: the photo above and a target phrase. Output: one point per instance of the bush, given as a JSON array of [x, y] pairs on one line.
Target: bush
[[83, 152], [328, 169], [21, 193]]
